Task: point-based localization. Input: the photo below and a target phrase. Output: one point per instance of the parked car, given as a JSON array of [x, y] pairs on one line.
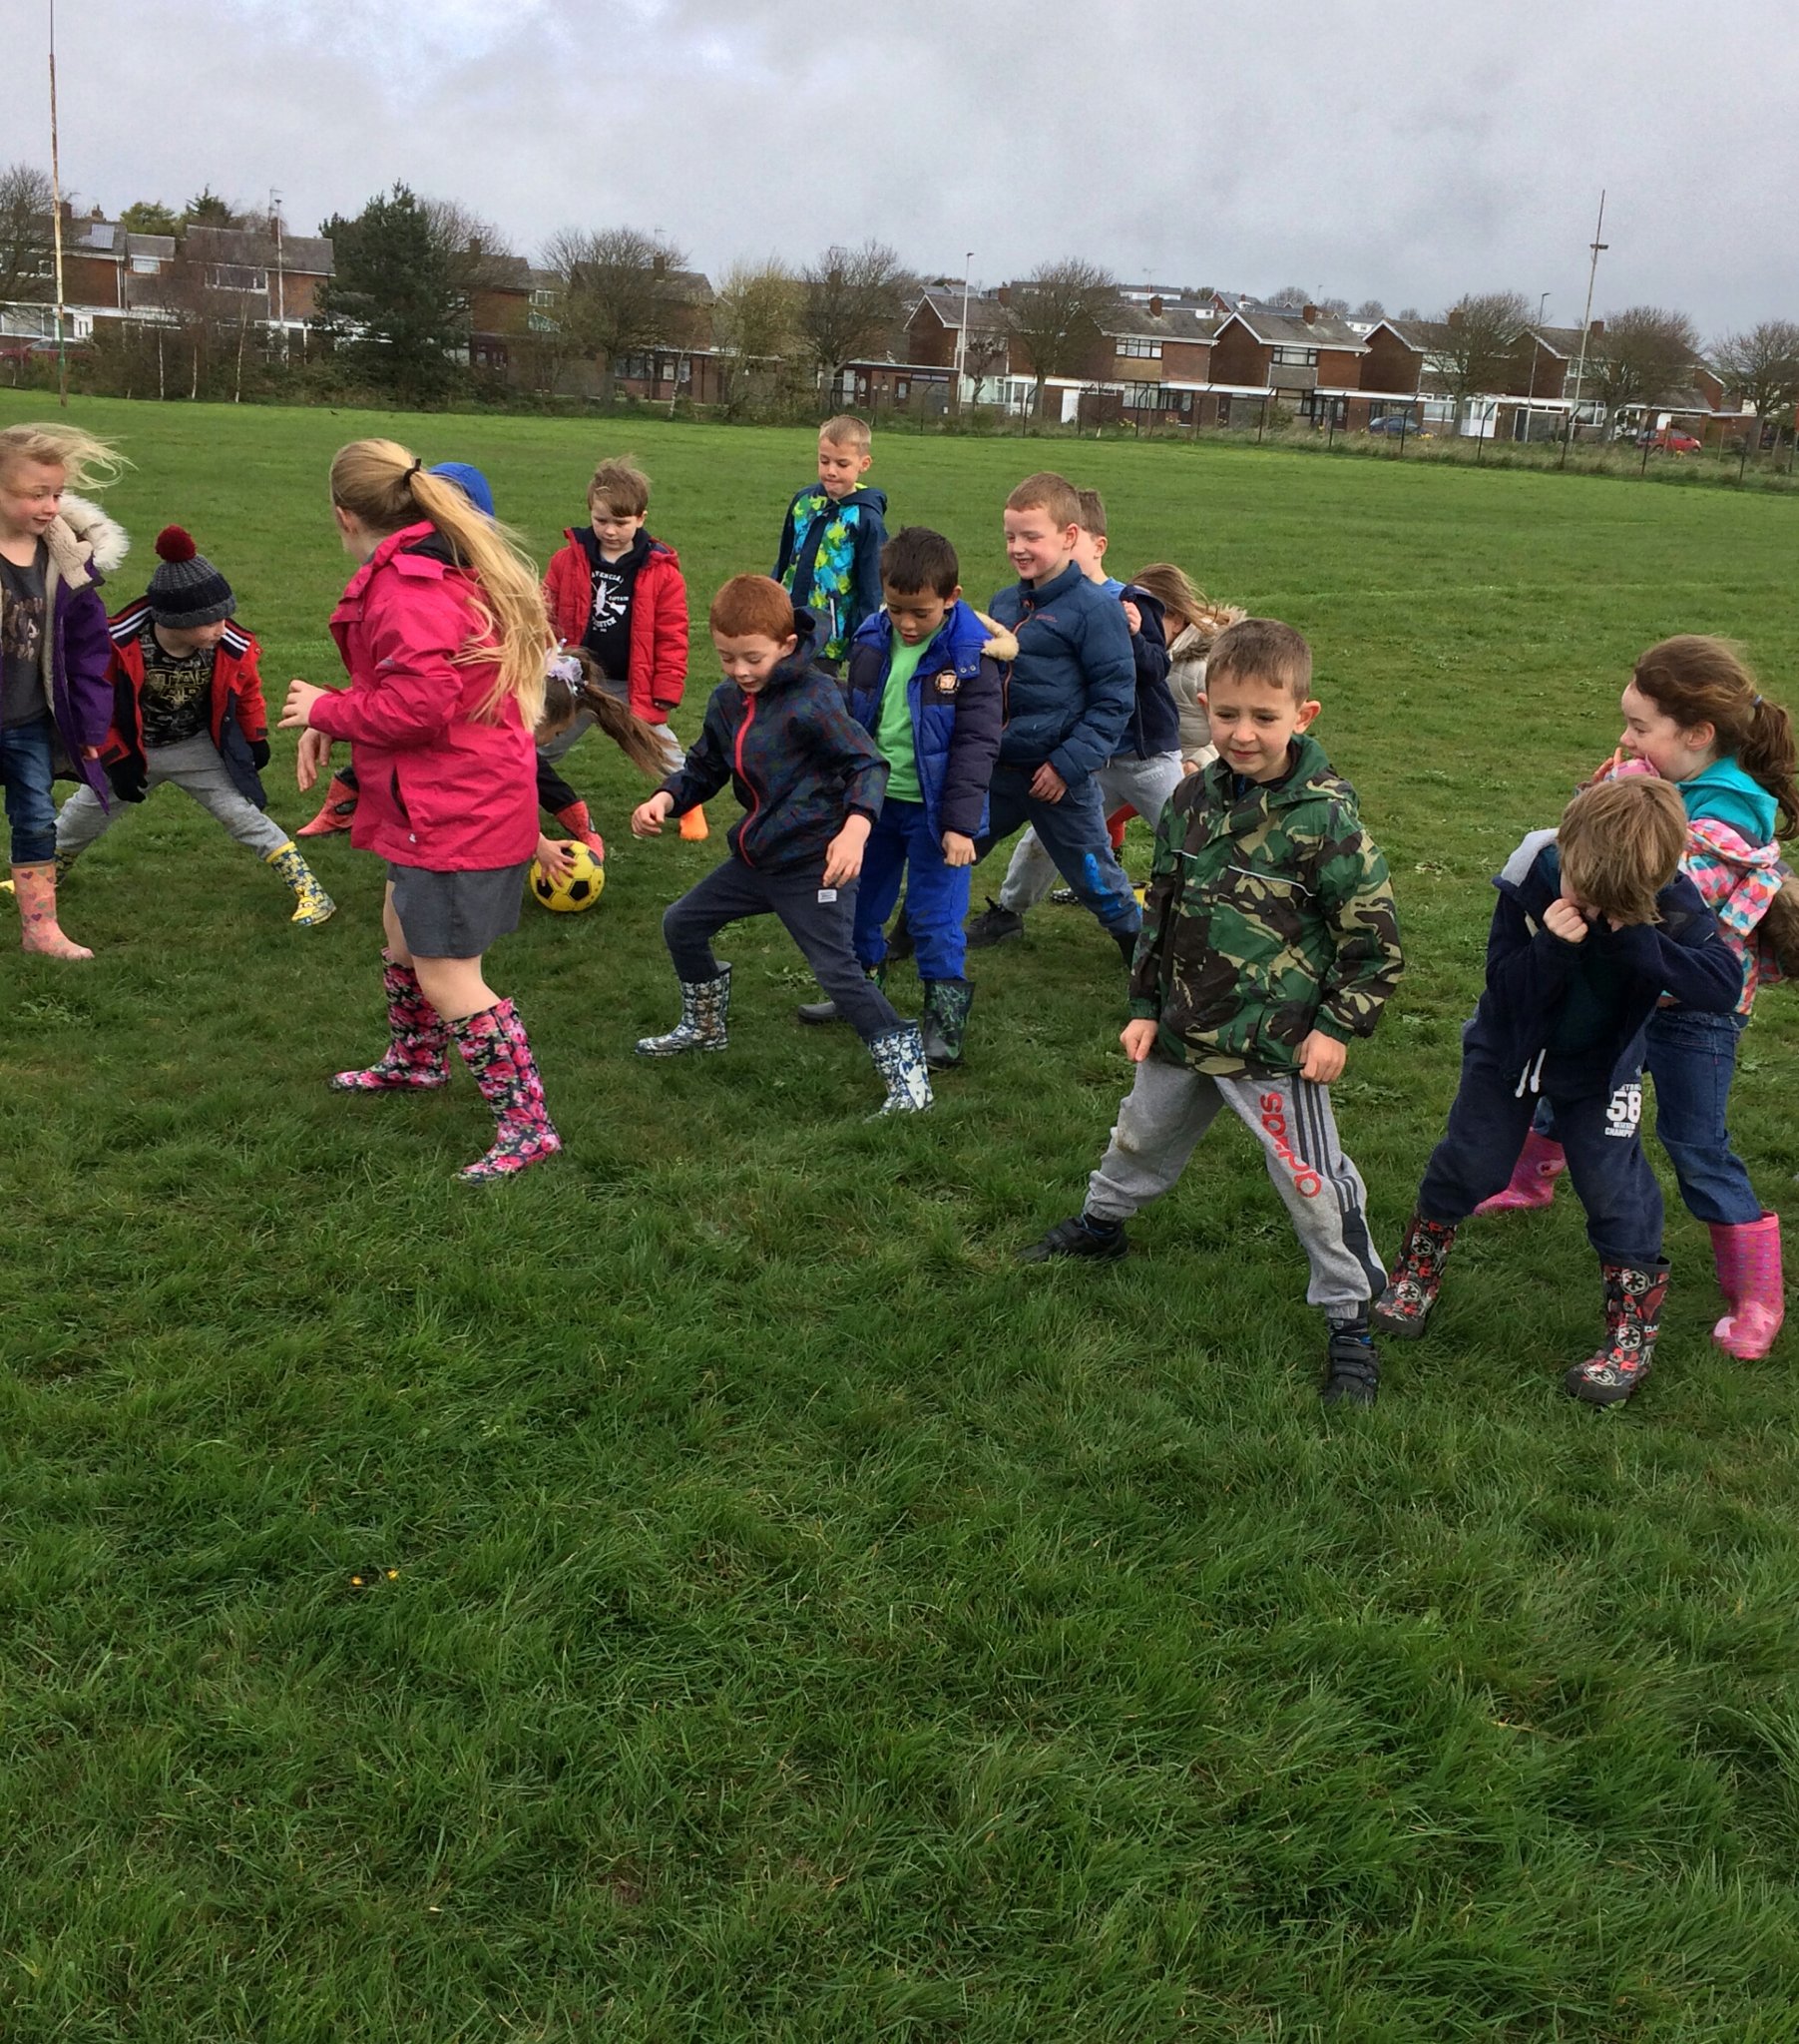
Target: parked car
[[1397, 422], [1669, 440]]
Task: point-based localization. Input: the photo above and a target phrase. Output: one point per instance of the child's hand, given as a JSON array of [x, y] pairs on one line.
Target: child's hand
[[1133, 616], [1567, 920], [1139, 1039], [957, 849], [298, 708], [313, 756], [647, 817], [555, 856], [1322, 1058], [1047, 785], [843, 855]]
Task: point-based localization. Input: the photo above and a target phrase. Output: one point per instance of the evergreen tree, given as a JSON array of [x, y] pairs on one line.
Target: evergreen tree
[[391, 304]]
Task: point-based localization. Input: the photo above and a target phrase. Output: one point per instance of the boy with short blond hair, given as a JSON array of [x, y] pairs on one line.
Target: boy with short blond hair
[[831, 539], [1269, 940]]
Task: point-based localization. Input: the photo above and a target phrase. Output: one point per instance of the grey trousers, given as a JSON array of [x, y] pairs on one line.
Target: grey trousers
[[1169, 1108], [192, 766], [1146, 784]]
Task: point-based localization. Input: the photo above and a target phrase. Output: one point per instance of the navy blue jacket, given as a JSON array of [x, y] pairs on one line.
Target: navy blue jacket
[[1074, 683], [1613, 977], [957, 698], [831, 561], [1154, 725], [796, 757]]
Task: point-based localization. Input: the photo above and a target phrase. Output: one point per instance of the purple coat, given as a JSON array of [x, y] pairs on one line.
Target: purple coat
[[82, 542]]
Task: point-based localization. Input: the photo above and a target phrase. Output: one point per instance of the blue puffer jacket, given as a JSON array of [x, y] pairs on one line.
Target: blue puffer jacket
[[798, 762], [1074, 683], [957, 699], [831, 561]]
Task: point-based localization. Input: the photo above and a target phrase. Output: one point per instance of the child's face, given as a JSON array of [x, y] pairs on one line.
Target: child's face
[[1090, 553], [615, 530], [1038, 548], [751, 658], [918, 613], [187, 639], [1675, 751], [840, 468], [31, 494], [1253, 721]]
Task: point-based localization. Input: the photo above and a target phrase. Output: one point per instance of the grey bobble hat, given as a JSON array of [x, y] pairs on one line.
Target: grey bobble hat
[[187, 590]]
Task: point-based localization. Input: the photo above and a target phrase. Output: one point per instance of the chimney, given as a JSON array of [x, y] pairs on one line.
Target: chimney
[[659, 265], [1455, 317], [1154, 308], [1595, 330], [474, 245], [1004, 295], [1309, 314]]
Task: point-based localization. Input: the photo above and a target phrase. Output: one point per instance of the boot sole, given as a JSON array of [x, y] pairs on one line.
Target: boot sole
[[1401, 1330]]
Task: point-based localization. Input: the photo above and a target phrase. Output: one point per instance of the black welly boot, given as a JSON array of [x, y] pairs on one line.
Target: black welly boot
[[945, 1021]]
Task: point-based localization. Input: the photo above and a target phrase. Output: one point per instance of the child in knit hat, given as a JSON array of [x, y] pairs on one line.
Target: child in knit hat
[[187, 709]]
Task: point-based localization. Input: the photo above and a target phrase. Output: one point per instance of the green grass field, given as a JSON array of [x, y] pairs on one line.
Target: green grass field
[[804, 1624]]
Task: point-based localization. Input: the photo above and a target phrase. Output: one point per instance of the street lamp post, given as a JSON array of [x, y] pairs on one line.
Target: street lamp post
[[56, 220], [962, 330], [1599, 248], [1536, 349]]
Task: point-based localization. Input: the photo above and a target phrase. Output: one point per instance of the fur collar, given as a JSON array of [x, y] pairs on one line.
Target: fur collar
[[83, 533], [1001, 644]]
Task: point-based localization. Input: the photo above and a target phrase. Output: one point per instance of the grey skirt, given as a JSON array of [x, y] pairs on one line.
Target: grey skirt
[[456, 915]]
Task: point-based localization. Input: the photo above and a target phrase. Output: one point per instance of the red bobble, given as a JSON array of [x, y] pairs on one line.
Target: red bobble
[[172, 544]]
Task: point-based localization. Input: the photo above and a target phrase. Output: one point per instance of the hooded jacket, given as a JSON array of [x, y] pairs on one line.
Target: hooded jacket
[[1074, 682], [1569, 1019], [1186, 684], [444, 786], [831, 561], [1268, 914], [1154, 722], [83, 546], [957, 700], [796, 757], [659, 617], [236, 716]]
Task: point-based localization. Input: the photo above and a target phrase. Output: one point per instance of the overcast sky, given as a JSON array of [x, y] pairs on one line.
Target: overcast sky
[[1403, 149]]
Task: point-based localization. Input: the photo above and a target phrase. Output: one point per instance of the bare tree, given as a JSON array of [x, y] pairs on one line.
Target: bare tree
[[26, 247], [756, 325], [1473, 351], [1645, 355], [1762, 365], [616, 300], [1055, 314], [850, 303], [475, 256], [1369, 309], [1291, 297]]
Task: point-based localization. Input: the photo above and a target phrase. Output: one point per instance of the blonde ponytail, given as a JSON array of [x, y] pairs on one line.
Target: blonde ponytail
[[384, 484]]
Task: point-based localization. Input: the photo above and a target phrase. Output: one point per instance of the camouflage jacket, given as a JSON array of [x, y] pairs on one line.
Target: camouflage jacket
[[1267, 916]]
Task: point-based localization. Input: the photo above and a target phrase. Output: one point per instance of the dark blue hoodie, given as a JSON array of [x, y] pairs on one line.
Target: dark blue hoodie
[[831, 561], [797, 761], [1569, 1019]]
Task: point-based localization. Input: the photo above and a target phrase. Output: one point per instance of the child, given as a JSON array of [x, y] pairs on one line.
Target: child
[[188, 710], [1143, 769], [442, 631], [810, 780], [54, 694], [925, 680], [620, 595], [831, 541], [1192, 621], [1580, 952], [1269, 940], [576, 692], [1695, 717], [1069, 702]]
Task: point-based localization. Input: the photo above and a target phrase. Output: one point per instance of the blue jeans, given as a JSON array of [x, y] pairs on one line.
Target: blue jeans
[[27, 772], [1073, 832], [936, 895], [1692, 1058]]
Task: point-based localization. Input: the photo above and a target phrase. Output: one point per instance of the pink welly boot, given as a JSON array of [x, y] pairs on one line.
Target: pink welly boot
[[417, 1055], [1540, 1164], [39, 931], [1749, 1276], [499, 1055]]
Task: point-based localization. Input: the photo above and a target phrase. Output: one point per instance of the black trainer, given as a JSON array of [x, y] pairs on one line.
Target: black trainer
[[1079, 1236], [1352, 1365], [993, 925]]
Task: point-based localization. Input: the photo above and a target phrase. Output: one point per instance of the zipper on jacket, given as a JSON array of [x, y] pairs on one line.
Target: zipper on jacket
[[756, 801]]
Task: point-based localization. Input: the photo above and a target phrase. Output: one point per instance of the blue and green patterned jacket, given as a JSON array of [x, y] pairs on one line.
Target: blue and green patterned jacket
[[831, 561]]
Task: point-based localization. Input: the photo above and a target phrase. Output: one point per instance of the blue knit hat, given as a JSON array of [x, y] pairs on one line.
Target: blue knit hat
[[471, 482]]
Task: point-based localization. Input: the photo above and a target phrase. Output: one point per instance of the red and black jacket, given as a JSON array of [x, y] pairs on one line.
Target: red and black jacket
[[237, 717]]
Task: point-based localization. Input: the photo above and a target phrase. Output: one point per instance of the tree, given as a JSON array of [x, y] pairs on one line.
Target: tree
[[391, 306], [207, 210], [1369, 309], [1294, 298], [1473, 351], [615, 295], [1643, 356], [149, 217], [1762, 365], [852, 299], [27, 248], [1055, 314], [755, 324], [474, 251]]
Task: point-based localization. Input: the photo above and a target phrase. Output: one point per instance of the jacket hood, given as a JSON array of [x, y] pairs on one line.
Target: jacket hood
[[875, 499], [1726, 790], [91, 536], [1001, 644], [1310, 776], [645, 545]]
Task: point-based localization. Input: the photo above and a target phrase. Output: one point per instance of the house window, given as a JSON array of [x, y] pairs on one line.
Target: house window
[[545, 297], [902, 389], [144, 265], [1297, 357], [1137, 345], [237, 276]]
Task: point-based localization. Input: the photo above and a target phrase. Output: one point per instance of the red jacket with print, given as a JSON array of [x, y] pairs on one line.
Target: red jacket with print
[[444, 786], [236, 716], [658, 620]]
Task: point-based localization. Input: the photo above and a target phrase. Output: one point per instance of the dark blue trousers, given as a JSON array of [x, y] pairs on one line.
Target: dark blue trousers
[[1072, 831], [901, 846], [1602, 1138]]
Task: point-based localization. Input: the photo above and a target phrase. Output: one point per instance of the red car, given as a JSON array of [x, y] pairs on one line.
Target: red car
[[1669, 440]]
